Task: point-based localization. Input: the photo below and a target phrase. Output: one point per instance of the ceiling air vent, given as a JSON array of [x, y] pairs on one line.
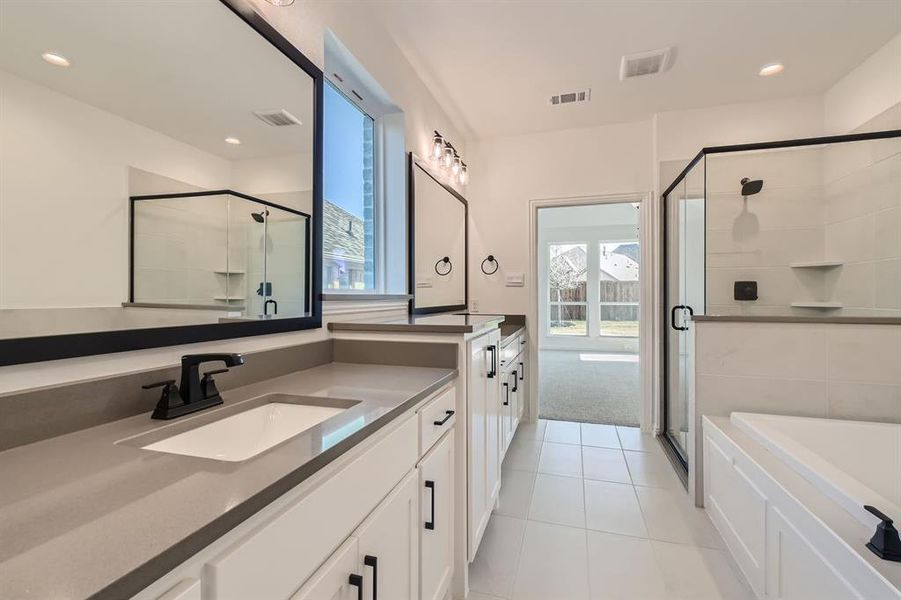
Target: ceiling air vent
[[645, 63], [277, 118], [571, 97]]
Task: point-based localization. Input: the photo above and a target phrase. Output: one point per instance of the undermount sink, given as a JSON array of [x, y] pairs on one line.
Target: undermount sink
[[246, 434]]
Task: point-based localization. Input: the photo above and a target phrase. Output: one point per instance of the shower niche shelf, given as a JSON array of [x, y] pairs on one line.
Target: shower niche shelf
[[819, 305], [817, 264]]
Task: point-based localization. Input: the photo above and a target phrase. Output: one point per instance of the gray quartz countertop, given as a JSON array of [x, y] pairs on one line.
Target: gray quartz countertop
[[438, 323], [90, 514], [508, 332]]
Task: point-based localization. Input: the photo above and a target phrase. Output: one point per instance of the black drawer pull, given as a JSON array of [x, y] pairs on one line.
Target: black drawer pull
[[506, 394], [431, 523], [515, 381], [372, 561], [492, 370], [357, 581], [522, 371], [447, 415]]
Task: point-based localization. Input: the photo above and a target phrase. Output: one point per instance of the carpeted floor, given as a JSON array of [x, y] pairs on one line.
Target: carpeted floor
[[589, 387]]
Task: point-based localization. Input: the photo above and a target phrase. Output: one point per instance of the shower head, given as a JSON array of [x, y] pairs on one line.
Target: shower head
[[260, 217], [749, 188]]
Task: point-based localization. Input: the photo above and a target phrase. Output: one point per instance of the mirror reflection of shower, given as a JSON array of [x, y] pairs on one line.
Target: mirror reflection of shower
[[265, 289], [747, 225]]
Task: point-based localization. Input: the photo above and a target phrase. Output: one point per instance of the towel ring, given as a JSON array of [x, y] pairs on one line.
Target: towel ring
[[450, 266], [490, 259]]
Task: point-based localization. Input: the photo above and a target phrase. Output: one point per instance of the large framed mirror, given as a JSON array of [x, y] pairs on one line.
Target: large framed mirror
[[160, 177], [439, 239]]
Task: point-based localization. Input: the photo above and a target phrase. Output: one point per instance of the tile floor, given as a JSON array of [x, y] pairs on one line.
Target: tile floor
[[596, 512]]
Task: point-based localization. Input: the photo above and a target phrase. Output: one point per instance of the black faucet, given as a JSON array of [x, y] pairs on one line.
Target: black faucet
[[886, 544], [193, 394]]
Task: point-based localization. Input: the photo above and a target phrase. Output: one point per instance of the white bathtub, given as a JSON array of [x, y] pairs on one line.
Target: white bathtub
[[853, 462]]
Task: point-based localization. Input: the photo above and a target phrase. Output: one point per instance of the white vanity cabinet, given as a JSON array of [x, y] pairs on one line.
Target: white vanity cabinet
[[355, 530], [436, 531], [484, 433], [513, 388]]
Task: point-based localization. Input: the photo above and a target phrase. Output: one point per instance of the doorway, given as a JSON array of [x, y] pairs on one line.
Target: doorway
[[588, 266]]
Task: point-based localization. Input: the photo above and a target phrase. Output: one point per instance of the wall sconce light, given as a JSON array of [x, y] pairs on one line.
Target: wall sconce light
[[437, 146], [448, 158]]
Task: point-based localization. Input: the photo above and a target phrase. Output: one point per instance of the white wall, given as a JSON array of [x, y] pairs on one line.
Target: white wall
[[509, 172], [866, 92]]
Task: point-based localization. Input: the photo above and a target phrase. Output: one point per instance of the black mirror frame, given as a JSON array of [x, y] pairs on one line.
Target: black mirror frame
[[414, 162], [54, 347]]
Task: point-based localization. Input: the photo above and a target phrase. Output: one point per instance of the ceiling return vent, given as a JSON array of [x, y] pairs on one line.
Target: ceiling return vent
[[646, 63], [571, 97], [277, 118]]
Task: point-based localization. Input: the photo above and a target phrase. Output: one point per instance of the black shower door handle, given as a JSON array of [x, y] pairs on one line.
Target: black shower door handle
[[672, 318]]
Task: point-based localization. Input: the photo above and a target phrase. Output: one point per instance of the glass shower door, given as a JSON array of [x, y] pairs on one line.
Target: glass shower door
[[684, 214]]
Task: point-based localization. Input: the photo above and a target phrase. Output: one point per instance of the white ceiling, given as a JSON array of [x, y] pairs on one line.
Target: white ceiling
[[494, 64], [190, 70]]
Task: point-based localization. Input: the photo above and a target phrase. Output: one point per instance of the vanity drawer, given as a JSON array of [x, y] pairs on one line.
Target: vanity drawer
[[512, 349], [275, 559], [440, 410]]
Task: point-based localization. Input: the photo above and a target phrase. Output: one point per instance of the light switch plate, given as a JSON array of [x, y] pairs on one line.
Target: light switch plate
[[516, 279]]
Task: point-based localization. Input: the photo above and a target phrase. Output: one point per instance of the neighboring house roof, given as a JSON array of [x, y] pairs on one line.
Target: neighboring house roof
[[614, 266], [342, 234]]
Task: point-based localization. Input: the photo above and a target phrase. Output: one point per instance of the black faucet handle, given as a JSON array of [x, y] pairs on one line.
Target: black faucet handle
[[208, 387], [878, 514], [209, 374], [150, 386]]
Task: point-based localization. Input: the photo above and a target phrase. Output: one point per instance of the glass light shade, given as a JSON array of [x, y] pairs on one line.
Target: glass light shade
[[455, 167], [448, 156], [437, 146], [464, 176]]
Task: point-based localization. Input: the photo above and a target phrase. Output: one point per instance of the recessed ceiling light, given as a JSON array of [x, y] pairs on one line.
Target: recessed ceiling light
[[771, 69], [232, 140], [55, 59], [281, 2]]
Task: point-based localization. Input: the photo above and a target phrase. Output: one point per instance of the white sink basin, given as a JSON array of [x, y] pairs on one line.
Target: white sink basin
[[248, 433]]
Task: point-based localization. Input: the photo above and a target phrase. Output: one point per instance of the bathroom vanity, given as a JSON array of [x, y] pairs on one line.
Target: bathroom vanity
[[367, 491]]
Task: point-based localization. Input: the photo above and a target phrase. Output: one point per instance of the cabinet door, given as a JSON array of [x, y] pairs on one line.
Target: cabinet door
[[483, 435], [508, 402], [333, 580], [436, 526], [522, 393], [389, 545]]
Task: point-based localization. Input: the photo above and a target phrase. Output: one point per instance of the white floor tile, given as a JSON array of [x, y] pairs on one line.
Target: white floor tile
[[553, 564], [671, 517], [605, 464], [561, 459], [651, 469], [613, 507], [523, 454], [623, 568], [558, 500], [478, 596], [563, 432], [698, 573], [603, 436], [516, 493], [532, 431], [632, 438], [494, 569]]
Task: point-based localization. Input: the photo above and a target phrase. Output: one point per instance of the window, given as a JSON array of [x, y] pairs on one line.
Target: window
[[349, 207], [619, 288], [567, 288]]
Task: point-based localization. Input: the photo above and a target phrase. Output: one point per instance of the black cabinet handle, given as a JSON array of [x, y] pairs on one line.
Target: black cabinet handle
[[447, 415], [515, 380], [522, 371], [431, 523], [372, 561], [492, 370], [506, 394], [357, 581]]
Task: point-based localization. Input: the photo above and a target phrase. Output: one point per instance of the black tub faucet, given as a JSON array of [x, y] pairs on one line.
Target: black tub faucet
[[886, 544], [192, 394]]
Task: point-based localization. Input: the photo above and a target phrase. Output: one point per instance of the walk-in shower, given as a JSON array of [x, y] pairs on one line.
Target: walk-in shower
[[820, 239], [221, 251]]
